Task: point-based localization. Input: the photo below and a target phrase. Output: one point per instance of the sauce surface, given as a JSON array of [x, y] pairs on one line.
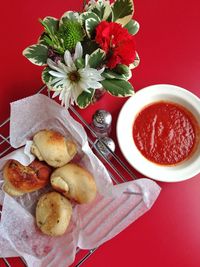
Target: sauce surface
[[165, 133]]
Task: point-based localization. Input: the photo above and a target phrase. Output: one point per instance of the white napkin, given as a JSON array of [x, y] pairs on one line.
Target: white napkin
[[91, 224]]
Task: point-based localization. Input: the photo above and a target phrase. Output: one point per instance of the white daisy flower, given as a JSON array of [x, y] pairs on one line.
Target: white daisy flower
[[68, 81]]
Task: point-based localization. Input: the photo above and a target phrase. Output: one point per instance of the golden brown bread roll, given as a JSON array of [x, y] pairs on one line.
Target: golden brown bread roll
[[53, 214], [74, 182], [21, 179], [53, 148]]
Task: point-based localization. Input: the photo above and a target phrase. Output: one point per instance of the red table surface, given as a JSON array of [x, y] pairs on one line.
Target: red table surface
[[168, 44]]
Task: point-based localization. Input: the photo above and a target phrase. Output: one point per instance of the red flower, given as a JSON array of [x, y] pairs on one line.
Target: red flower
[[117, 42]]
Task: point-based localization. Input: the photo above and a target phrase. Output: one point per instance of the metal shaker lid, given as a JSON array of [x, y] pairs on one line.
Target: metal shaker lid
[[102, 119]]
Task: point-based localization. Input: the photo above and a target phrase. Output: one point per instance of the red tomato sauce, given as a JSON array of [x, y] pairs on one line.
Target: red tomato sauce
[[165, 133]]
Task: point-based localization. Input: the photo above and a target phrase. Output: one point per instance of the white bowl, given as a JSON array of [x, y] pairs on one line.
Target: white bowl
[[161, 92]]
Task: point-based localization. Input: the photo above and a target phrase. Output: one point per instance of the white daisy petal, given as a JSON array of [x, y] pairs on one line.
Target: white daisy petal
[[94, 72], [87, 90], [87, 57], [57, 79], [57, 74], [67, 98], [60, 83], [77, 90], [68, 59], [67, 69], [78, 51], [83, 84], [62, 96], [66, 86], [94, 84], [54, 66], [101, 70], [55, 94], [55, 82]]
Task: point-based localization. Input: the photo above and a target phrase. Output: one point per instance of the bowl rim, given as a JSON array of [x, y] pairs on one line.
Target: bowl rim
[[147, 95]]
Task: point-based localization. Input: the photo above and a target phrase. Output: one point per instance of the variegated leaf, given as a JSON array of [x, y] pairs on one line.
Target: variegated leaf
[[90, 25], [107, 12], [122, 69], [88, 15], [97, 12], [96, 58], [122, 11], [41, 39], [136, 62], [71, 15], [46, 77], [37, 54], [85, 98], [51, 24], [109, 74], [101, 8], [132, 27], [120, 88]]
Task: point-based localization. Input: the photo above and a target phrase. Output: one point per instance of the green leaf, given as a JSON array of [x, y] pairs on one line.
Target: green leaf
[[46, 77], [132, 27], [96, 58], [122, 11], [120, 88], [85, 98], [37, 54], [90, 25]]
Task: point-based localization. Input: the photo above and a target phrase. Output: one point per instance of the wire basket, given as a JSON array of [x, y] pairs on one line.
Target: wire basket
[[119, 172]]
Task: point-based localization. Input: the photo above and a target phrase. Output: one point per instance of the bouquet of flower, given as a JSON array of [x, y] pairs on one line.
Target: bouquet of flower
[[82, 52]]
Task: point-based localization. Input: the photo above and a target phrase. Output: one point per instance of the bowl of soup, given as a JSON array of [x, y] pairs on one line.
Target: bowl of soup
[[158, 132]]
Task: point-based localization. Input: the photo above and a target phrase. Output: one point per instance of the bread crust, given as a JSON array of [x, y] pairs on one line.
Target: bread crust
[[54, 148], [74, 182], [53, 214], [20, 179]]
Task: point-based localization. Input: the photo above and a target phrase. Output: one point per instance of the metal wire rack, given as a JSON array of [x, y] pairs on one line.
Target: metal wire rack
[[118, 170]]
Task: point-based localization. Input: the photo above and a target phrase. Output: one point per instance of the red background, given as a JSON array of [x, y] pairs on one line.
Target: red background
[[168, 44]]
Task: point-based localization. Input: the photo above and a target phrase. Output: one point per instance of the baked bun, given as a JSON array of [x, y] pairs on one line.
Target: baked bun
[[74, 182], [20, 179], [53, 213], [53, 148]]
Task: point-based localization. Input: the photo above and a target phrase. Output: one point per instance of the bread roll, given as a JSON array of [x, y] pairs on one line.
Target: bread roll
[[74, 182], [19, 179], [53, 213], [53, 148]]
